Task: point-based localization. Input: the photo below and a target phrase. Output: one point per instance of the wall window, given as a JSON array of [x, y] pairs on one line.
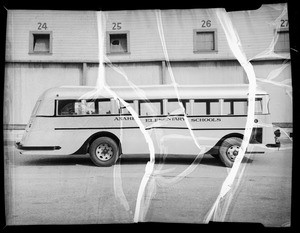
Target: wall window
[[205, 40], [40, 42], [117, 42], [283, 41]]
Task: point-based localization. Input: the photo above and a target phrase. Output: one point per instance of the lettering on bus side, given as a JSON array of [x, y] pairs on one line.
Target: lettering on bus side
[[165, 119], [206, 119], [124, 118]]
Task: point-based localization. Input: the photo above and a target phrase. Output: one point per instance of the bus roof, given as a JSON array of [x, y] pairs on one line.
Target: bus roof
[[152, 92]]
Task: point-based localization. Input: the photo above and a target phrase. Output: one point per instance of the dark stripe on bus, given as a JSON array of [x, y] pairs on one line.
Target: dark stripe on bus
[[97, 128], [103, 128], [160, 116]]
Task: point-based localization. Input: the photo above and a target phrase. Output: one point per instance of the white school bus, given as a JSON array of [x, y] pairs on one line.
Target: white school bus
[[71, 120]]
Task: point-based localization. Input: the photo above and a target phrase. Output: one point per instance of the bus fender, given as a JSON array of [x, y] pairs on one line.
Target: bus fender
[[85, 146], [215, 149]]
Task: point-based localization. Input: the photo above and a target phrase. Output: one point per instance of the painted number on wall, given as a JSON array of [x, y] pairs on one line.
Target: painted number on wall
[[284, 23], [42, 26], [116, 26], [205, 23]]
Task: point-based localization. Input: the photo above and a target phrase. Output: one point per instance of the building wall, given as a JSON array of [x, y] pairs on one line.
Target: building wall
[[75, 36], [75, 55], [25, 82]]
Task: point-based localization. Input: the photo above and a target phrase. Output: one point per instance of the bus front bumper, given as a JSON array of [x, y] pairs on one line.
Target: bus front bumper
[[19, 146]]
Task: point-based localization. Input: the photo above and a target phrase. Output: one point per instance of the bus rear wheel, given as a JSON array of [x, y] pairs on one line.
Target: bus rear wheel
[[229, 149], [104, 151]]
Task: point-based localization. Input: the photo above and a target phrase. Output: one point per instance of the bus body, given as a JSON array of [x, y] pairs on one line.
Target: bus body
[[74, 120]]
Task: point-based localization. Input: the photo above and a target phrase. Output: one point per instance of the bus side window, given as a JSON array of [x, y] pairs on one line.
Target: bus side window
[[123, 110], [199, 107], [235, 107], [206, 107], [227, 107], [258, 106], [66, 107], [150, 108], [91, 108], [174, 108], [214, 108], [104, 107], [240, 107], [84, 107]]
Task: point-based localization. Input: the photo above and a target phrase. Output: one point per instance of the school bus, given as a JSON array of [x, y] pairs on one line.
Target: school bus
[[80, 120]]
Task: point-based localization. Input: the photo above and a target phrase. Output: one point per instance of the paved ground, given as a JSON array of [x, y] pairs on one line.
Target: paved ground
[[71, 190]]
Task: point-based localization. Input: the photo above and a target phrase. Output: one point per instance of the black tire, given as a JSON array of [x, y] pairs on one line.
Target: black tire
[[104, 152], [229, 150], [216, 156]]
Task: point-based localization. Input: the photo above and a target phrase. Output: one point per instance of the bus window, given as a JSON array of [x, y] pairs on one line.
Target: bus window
[[258, 106], [104, 107], [199, 107], [75, 107], [235, 107], [240, 107], [83, 107], [123, 110], [150, 108], [214, 108], [174, 108], [66, 107], [187, 107], [227, 108]]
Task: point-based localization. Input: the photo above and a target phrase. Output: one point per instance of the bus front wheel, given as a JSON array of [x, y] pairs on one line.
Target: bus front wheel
[[104, 151], [229, 149]]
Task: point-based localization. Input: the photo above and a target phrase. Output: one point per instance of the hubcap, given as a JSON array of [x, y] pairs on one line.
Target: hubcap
[[104, 152], [232, 152]]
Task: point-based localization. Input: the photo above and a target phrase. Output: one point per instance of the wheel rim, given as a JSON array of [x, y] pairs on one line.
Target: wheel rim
[[232, 152], [104, 152]]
